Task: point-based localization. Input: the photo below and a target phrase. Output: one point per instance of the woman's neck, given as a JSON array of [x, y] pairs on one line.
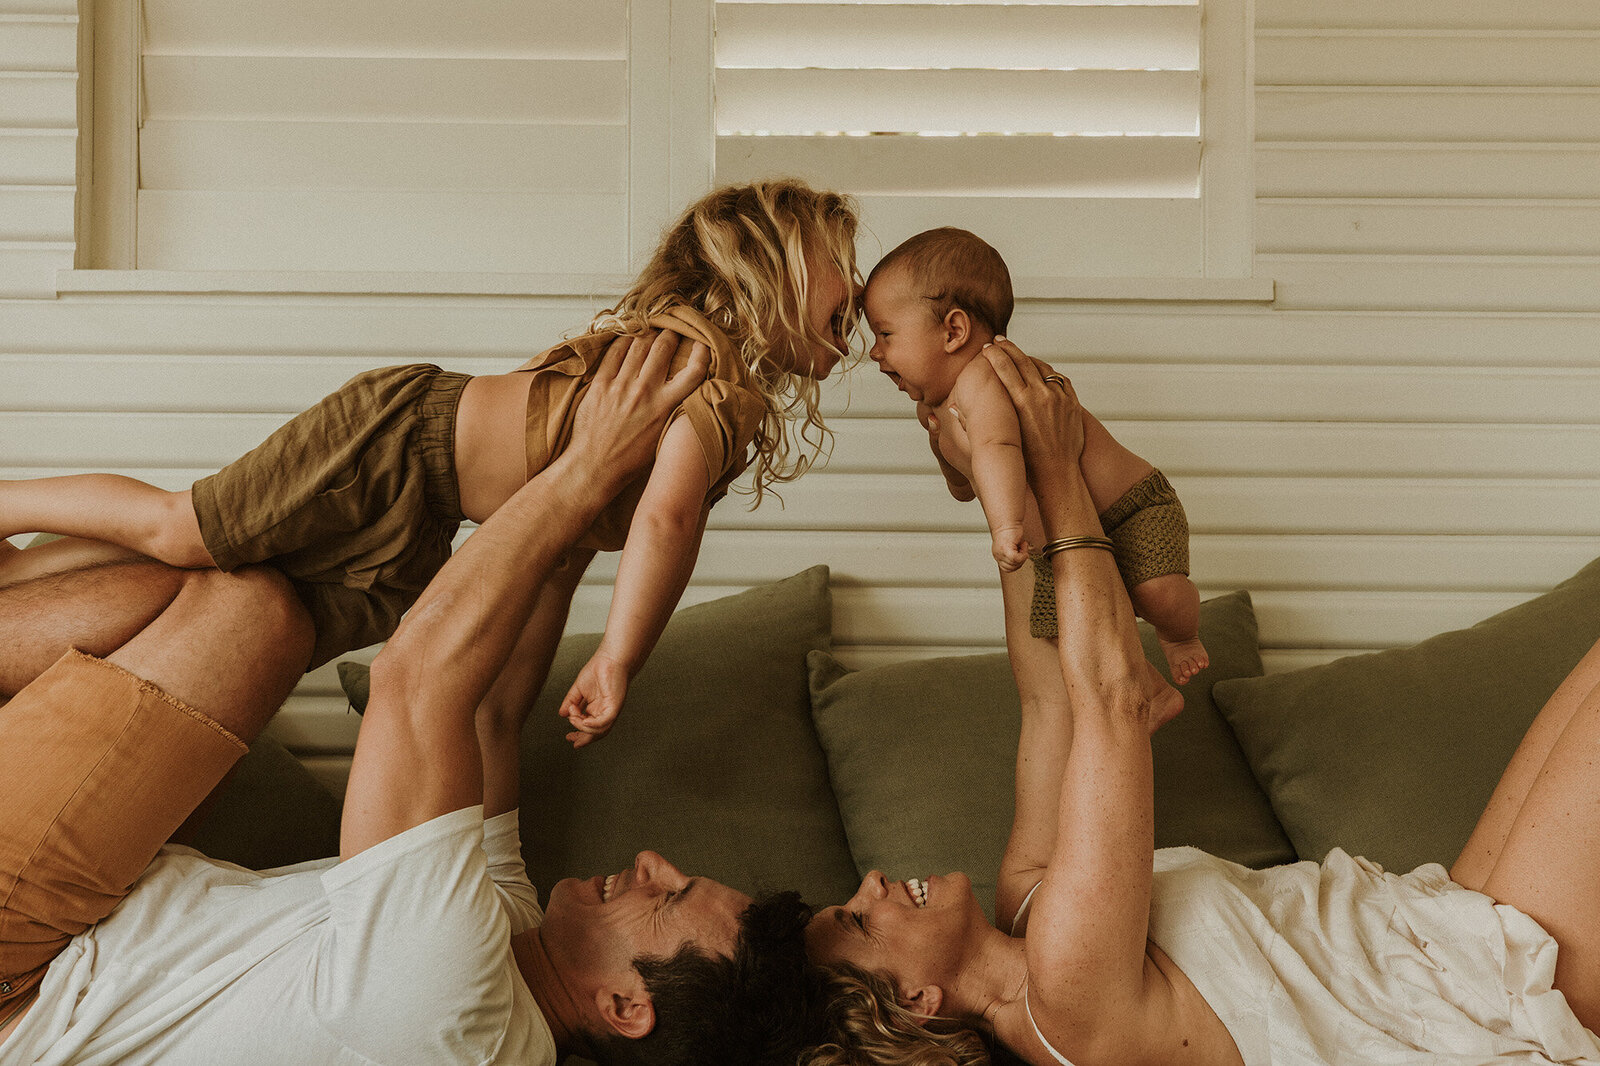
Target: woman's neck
[[991, 980]]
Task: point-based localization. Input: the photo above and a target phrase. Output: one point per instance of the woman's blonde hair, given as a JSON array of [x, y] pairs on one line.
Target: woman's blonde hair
[[746, 257], [866, 1026]]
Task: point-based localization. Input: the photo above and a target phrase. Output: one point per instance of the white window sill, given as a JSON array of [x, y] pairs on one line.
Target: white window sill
[[317, 282], [208, 282]]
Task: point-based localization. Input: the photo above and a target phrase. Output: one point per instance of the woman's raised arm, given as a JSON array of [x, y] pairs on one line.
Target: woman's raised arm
[[1088, 973]]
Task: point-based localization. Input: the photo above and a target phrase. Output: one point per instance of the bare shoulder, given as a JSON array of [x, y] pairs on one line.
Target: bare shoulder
[[1166, 1022], [981, 396], [978, 378]]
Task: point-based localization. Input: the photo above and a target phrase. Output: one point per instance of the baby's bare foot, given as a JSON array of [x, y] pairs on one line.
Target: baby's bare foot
[[1185, 658], [1166, 702]]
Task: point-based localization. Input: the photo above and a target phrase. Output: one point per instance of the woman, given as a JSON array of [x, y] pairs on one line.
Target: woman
[[1202, 961]]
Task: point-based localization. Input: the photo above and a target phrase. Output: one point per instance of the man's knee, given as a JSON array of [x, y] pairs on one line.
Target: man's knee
[[264, 600]]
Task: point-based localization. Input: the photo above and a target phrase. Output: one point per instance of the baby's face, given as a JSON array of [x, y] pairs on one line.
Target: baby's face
[[908, 343]]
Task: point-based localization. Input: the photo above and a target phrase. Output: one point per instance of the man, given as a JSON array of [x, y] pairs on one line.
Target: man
[[423, 943]]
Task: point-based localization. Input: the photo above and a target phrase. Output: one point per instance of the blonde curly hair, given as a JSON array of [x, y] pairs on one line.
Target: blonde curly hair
[[866, 1026], [745, 256]]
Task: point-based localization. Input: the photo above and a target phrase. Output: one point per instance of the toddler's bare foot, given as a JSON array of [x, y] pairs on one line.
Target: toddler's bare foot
[[1166, 702], [1185, 658]]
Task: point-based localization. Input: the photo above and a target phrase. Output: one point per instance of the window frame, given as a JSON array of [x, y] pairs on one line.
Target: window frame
[[672, 144]]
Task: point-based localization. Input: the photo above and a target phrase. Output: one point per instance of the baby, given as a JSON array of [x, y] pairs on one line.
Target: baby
[[932, 304]]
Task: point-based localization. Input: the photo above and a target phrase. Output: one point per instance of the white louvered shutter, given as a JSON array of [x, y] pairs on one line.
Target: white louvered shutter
[[1066, 132], [384, 135]]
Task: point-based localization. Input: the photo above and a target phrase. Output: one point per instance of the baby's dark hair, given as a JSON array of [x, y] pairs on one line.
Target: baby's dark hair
[[951, 268]]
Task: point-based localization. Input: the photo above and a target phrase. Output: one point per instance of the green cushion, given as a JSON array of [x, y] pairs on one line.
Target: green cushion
[[922, 756], [269, 812], [713, 761], [1393, 755]]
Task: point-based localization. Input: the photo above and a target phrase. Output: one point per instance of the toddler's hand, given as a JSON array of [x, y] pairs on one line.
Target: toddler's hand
[[595, 699], [1010, 548]]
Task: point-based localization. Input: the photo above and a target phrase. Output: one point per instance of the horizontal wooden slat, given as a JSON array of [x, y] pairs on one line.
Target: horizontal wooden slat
[[974, 617], [39, 7], [210, 88], [1286, 168], [992, 166], [1044, 101], [38, 100], [975, 3], [1021, 37], [1255, 561], [38, 157], [1429, 226], [1363, 113], [481, 156], [1399, 282], [377, 329], [1427, 57], [561, 28], [1263, 391], [36, 212], [28, 268], [1534, 506], [393, 329], [291, 229], [91, 440], [1427, 14], [1361, 620], [1144, 237], [38, 42]]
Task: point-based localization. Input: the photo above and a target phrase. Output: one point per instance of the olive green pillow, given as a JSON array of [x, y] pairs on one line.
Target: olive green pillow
[[268, 812], [713, 761], [922, 755], [1393, 755]]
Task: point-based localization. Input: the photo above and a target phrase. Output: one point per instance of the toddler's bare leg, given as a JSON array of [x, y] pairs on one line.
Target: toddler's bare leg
[[1549, 861], [107, 507], [1171, 604]]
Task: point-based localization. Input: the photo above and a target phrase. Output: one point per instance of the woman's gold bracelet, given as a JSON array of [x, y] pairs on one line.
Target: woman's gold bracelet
[[1064, 544]]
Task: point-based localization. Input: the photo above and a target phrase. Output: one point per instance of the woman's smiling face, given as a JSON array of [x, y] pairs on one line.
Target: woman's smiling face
[[916, 932]]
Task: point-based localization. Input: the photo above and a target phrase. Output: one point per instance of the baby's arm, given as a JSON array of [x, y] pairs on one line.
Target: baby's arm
[[954, 480], [657, 559], [998, 473], [109, 507]]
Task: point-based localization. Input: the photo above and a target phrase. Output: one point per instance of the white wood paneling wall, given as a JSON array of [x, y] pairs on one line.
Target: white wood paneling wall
[[1407, 441]]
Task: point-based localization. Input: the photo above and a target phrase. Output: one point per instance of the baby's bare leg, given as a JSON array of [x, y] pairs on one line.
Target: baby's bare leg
[[1549, 862], [1171, 604], [109, 507]]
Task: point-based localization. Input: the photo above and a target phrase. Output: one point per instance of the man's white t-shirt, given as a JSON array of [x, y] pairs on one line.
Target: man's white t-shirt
[[400, 955]]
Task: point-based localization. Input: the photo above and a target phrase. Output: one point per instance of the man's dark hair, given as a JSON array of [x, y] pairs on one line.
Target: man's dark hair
[[759, 1007]]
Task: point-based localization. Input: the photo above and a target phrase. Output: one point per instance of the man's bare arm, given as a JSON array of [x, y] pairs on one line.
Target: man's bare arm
[[418, 756]]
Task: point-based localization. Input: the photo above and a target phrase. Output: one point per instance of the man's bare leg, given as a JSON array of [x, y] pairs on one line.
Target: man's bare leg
[[231, 646], [215, 636], [96, 608]]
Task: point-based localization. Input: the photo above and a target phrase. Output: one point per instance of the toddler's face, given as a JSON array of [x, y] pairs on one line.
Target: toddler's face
[[908, 343], [826, 310]]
